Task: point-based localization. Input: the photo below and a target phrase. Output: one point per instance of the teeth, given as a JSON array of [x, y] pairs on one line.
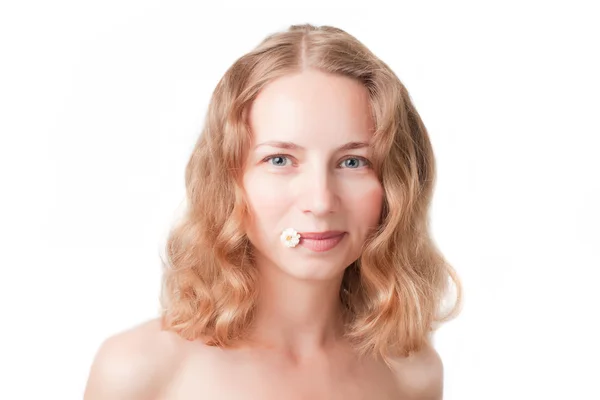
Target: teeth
[[290, 237]]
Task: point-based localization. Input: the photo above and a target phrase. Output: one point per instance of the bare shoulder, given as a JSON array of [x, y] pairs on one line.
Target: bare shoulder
[[421, 375], [134, 364]]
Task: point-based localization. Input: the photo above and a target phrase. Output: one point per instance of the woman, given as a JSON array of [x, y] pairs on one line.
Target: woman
[[303, 267]]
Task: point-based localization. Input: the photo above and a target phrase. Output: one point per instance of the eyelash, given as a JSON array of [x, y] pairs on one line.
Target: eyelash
[[367, 162]]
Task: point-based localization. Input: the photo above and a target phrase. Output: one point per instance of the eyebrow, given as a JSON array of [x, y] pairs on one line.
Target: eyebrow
[[294, 146]]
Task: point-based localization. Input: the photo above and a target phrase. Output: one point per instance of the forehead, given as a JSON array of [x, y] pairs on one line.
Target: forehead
[[312, 108]]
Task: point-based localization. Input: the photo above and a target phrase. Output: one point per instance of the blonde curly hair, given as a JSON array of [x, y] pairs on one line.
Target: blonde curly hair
[[393, 294]]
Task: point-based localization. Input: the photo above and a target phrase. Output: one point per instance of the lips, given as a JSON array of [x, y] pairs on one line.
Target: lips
[[321, 241], [320, 235]]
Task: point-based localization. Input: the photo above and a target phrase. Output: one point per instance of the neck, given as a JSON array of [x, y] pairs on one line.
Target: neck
[[295, 316]]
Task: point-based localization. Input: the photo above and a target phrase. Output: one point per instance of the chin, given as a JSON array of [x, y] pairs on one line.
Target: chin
[[313, 270]]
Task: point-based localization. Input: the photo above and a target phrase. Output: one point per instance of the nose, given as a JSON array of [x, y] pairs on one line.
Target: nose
[[319, 195]]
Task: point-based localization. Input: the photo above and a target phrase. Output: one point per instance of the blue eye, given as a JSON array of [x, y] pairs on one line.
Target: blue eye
[[356, 162], [278, 158]]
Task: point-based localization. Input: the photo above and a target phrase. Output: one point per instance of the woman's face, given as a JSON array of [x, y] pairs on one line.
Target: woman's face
[[308, 168]]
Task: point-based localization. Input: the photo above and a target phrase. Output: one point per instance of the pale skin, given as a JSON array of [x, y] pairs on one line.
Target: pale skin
[[296, 350]]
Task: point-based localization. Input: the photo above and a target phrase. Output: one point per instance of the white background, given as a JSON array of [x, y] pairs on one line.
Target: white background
[[101, 103]]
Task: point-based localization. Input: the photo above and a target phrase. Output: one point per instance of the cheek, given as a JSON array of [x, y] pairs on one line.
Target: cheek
[[366, 204], [265, 198]]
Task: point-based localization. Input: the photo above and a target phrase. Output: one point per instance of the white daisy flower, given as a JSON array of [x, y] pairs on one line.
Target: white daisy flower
[[290, 237]]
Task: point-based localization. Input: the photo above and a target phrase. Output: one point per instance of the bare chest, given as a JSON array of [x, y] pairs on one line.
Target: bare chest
[[256, 379]]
